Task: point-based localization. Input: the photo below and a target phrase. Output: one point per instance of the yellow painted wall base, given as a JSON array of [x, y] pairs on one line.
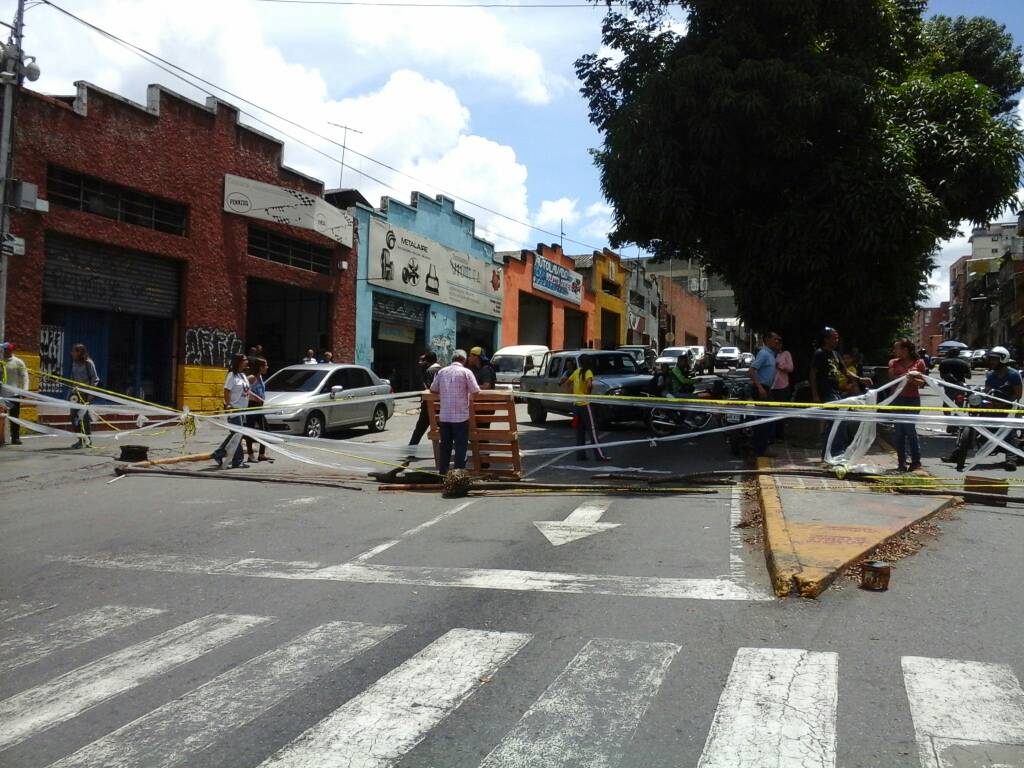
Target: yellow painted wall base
[[202, 387]]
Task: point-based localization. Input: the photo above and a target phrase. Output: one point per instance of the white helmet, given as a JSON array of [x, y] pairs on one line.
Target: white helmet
[[1001, 352]]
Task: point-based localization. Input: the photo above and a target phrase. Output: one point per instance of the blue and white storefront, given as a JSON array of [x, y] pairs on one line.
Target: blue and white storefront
[[424, 280]]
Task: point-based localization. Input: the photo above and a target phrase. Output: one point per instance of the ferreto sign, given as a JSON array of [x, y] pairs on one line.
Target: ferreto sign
[[553, 278], [404, 261], [286, 206]]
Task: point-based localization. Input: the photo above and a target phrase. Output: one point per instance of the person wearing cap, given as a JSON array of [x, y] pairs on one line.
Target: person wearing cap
[[481, 367], [455, 384], [14, 374]]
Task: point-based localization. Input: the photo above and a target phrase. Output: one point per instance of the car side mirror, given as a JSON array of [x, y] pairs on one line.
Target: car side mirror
[[335, 391], [529, 366]]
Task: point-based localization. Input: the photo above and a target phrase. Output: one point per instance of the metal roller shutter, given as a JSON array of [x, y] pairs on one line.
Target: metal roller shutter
[[80, 273]]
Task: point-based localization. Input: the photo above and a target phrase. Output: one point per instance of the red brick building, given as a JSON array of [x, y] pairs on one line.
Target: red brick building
[[683, 317], [140, 257], [930, 326]]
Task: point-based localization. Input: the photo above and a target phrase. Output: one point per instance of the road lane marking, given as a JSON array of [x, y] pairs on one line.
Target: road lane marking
[[425, 576], [380, 725], [778, 708], [588, 715], [582, 522], [29, 712], [12, 611], [177, 732], [737, 565], [965, 712], [411, 532], [23, 648]]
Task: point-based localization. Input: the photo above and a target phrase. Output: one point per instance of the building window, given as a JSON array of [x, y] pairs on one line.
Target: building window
[[610, 287], [271, 246], [92, 195]]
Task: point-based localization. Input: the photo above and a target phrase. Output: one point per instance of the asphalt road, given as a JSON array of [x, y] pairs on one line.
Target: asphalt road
[[168, 621]]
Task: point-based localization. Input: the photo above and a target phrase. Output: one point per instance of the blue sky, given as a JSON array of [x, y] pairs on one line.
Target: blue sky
[[480, 102]]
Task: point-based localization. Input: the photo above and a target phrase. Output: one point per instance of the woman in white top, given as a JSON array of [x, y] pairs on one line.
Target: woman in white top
[[236, 397]]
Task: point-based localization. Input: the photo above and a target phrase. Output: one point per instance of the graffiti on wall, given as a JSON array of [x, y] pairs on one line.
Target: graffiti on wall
[[51, 356], [443, 340], [211, 346]]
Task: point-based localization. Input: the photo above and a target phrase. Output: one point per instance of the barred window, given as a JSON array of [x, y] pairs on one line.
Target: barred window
[[264, 244], [103, 198]]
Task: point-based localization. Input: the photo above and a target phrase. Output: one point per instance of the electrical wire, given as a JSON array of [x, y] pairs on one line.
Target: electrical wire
[[176, 71]]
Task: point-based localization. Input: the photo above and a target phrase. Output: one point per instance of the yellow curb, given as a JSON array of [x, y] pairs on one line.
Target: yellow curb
[[779, 552]]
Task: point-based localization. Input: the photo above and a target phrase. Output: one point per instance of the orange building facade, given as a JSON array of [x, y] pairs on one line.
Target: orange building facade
[[546, 300], [683, 317]]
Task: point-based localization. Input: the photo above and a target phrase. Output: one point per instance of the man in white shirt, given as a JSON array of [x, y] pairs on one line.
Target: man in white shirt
[[14, 374], [455, 384], [236, 397], [310, 358]]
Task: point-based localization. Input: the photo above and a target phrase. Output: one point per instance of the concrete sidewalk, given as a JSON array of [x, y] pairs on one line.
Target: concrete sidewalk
[[814, 528]]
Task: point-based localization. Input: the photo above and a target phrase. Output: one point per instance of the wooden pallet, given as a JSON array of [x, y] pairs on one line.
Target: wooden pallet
[[493, 434]]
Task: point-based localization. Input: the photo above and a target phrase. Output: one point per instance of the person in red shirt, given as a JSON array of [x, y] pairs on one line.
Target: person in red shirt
[[905, 362]]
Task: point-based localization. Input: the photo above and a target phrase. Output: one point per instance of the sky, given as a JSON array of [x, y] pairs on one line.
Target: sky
[[478, 103]]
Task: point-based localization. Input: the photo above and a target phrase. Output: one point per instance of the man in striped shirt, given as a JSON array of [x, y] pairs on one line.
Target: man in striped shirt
[[455, 383]]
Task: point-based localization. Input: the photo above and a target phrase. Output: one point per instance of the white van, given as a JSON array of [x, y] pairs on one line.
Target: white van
[[510, 363]]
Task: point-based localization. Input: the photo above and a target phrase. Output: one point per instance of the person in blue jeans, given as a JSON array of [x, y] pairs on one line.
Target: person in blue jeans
[[906, 362], [236, 398], [762, 375]]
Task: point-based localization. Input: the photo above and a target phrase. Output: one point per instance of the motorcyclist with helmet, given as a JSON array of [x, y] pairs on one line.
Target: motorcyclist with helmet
[[1003, 382]]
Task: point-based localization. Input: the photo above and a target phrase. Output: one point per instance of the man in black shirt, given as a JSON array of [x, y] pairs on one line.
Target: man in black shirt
[[826, 372], [428, 368], [954, 369]]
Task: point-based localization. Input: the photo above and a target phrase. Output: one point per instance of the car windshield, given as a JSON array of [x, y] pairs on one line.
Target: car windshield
[[295, 380], [673, 352], [614, 364], [729, 351], [508, 363]]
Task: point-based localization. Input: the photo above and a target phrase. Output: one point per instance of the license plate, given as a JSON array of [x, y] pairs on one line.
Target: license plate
[[733, 418]]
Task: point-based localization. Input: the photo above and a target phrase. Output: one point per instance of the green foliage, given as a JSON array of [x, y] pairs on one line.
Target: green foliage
[[811, 152]]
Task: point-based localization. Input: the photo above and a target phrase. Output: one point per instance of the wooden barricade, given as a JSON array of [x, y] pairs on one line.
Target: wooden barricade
[[493, 433]]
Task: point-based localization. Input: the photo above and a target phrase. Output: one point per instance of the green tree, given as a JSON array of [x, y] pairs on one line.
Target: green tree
[[811, 152]]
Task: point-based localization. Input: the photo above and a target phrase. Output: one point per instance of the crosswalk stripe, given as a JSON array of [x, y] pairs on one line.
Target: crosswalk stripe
[[965, 712], [31, 711], [19, 649], [10, 610], [778, 708], [173, 734], [384, 722], [588, 714]]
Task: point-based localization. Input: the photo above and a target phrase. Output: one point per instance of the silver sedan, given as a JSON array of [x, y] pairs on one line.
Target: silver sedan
[[316, 399]]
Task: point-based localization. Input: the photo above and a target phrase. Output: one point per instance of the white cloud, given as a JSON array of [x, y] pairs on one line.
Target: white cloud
[[599, 222], [553, 213], [416, 124]]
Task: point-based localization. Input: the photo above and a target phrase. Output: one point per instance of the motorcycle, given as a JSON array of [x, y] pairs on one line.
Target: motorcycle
[[967, 436], [664, 421], [739, 440]]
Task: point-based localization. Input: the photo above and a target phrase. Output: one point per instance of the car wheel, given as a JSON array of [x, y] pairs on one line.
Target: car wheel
[[537, 413], [315, 426], [380, 419]]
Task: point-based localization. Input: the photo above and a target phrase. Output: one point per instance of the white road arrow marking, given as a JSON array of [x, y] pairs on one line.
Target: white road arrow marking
[[582, 522]]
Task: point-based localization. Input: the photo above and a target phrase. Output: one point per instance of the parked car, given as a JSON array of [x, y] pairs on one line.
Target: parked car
[[615, 373], [643, 354], [510, 363], [671, 354], [966, 354], [978, 359], [315, 399], [746, 359], [728, 357]]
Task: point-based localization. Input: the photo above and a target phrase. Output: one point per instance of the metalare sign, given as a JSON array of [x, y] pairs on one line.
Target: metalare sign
[[404, 261], [286, 206], [553, 278]]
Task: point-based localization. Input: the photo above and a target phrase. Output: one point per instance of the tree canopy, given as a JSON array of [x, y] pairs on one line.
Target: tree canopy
[[811, 152]]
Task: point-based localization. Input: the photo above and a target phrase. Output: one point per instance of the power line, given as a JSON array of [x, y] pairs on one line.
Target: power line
[[373, 4], [175, 70]]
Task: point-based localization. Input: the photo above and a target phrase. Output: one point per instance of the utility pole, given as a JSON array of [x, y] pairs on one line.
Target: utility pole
[[344, 142], [12, 72]]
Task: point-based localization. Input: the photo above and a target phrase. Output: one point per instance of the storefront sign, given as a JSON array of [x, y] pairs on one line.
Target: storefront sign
[[553, 278], [402, 334], [404, 261], [286, 206]]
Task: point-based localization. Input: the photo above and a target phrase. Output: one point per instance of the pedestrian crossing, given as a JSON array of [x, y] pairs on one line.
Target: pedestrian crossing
[[778, 707]]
